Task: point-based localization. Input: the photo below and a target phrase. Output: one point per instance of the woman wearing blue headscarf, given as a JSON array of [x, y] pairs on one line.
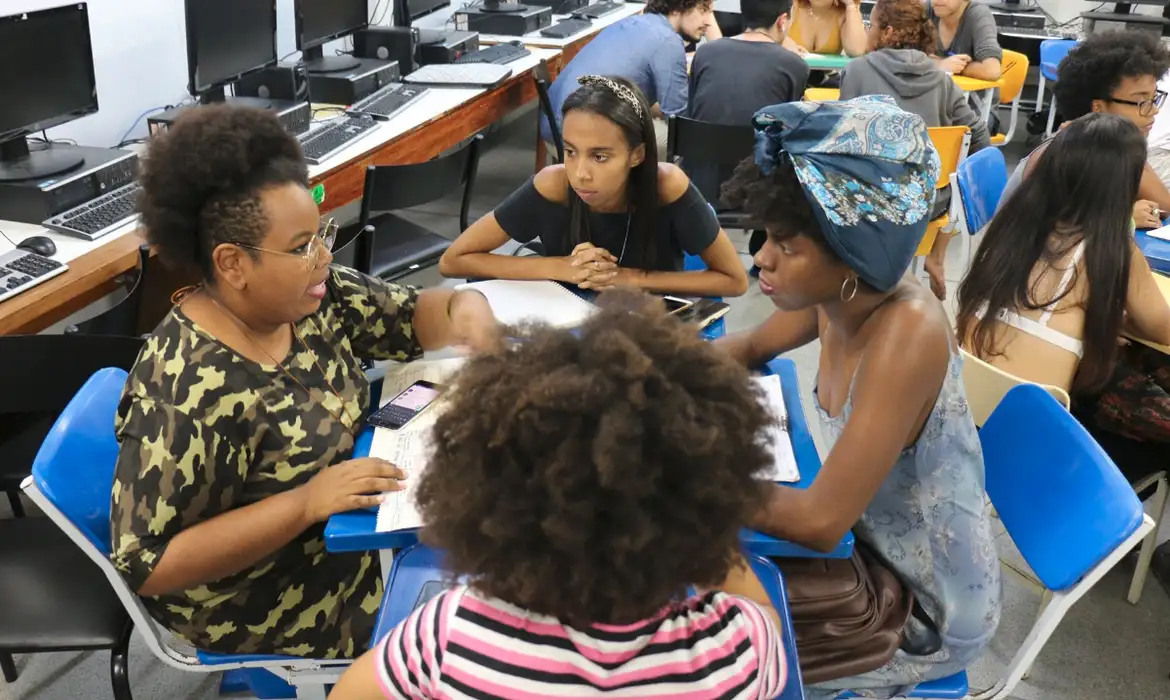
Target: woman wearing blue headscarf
[[844, 190]]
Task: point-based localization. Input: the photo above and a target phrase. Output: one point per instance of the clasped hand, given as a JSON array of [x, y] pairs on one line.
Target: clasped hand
[[590, 267]]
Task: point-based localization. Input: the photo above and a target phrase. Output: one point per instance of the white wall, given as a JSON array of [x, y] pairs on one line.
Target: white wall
[[140, 59]]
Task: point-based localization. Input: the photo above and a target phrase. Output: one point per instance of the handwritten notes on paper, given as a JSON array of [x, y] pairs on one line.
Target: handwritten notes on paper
[[409, 447]]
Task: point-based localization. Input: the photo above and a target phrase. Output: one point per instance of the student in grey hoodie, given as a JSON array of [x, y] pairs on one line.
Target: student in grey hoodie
[[900, 35]]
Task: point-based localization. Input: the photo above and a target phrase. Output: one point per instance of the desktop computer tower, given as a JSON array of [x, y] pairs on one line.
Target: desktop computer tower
[[297, 117], [445, 45], [284, 81], [351, 86], [388, 44], [102, 170], [486, 20]]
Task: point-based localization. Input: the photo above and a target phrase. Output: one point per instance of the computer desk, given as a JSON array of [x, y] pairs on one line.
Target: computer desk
[[355, 531], [440, 121]]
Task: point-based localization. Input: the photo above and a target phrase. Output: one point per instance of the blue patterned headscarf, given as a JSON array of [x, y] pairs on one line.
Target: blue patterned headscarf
[[869, 170]]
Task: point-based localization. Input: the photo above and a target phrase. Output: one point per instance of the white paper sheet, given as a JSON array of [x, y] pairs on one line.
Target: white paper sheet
[[409, 447], [784, 460], [1163, 233], [515, 301]]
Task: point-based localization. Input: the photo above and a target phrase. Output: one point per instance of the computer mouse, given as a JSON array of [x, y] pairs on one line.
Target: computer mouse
[[41, 245]]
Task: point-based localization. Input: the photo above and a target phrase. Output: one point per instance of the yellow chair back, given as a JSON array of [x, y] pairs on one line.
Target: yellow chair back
[[815, 94], [1015, 72], [948, 141], [987, 384]]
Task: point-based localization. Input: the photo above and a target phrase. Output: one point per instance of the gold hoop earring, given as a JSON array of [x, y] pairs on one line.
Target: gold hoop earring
[[852, 292]]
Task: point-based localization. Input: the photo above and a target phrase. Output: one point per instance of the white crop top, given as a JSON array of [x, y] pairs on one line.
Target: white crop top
[[1039, 327]]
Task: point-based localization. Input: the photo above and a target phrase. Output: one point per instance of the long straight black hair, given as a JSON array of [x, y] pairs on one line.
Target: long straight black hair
[[1082, 188], [642, 188]]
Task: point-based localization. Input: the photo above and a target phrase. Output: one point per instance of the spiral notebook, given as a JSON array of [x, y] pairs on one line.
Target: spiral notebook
[[783, 458], [519, 301]]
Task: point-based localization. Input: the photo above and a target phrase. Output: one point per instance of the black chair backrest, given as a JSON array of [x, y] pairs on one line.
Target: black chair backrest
[[704, 143], [354, 247], [122, 319], [41, 375], [43, 372], [394, 187], [541, 75]]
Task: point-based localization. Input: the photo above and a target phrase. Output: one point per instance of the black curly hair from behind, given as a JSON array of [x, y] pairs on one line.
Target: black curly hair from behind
[[202, 180], [774, 202], [593, 475], [1097, 65], [669, 7]]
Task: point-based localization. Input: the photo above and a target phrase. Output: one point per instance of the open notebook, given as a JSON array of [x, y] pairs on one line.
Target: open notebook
[[784, 460], [516, 301], [409, 447]]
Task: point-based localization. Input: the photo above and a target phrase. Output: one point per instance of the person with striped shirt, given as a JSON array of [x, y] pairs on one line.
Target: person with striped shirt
[[588, 487]]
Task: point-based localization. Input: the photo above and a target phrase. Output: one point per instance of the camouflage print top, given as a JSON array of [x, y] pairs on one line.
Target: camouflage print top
[[204, 430]]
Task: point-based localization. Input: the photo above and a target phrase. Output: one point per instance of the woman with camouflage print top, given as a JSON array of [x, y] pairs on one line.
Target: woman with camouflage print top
[[232, 459]]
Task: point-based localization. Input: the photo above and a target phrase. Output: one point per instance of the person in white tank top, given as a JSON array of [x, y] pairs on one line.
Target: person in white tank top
[[1057, 279]]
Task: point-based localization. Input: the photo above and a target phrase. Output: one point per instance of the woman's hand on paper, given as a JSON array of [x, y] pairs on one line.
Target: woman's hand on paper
[[357, 483], [1146, 214]]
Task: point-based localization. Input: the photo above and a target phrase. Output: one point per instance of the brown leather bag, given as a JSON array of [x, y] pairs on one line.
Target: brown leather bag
[[849, 614]]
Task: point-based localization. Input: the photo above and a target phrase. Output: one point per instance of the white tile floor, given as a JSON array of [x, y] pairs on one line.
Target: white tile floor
[[1106, 649]]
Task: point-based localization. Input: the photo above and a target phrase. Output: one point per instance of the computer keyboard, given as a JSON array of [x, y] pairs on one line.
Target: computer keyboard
[[388, 101], [566, 28], [598, 10], [498, 54], [460, 74], [321, 143], [1029, 31], [21, 271], [99, 216]]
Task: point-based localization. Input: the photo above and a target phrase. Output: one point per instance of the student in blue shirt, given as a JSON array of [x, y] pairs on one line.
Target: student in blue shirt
[[646, 49]]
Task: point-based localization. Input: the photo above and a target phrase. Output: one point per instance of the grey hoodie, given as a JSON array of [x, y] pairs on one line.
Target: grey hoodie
[[918, 85]]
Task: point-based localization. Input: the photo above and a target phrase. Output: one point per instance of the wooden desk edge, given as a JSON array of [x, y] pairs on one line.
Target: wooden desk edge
[[92, 275]]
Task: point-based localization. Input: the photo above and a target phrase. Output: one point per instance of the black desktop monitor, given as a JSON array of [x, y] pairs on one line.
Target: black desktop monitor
[[322, 21], [226, 40], [46, 79]]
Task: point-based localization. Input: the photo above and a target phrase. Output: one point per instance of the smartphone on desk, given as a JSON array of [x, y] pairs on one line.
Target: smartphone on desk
[[676, 305], [405, 407]]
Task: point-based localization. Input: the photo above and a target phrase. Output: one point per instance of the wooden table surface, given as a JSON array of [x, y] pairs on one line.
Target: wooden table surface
[[94, 275]]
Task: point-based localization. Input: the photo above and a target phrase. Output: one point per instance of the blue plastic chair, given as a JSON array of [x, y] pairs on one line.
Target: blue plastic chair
[[982, 178], [72, 478], [417, 566], [1070, 512], [1052, 52]]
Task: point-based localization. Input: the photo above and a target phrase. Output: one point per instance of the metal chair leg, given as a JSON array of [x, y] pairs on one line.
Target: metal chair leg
[[14, 502], [8, 667], [1157, 504], [120, 667]]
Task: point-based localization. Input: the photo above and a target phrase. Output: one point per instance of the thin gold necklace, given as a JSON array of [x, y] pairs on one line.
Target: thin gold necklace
[[296, 338]]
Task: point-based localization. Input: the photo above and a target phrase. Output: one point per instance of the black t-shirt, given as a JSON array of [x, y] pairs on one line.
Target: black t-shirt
[[686, 225], [730, 81]]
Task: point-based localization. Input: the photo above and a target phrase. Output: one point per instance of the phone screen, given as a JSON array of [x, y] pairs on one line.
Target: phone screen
[[404, 407]]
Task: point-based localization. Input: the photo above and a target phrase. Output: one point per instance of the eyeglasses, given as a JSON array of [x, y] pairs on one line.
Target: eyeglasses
[[1145, 107], [315, 250]]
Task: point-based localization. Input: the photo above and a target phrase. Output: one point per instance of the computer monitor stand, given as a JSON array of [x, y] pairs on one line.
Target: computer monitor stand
[[19, 162], [316, 62], [1011, 6]]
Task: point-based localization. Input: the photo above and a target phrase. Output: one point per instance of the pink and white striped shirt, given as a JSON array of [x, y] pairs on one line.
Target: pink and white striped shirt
[[463, 644]]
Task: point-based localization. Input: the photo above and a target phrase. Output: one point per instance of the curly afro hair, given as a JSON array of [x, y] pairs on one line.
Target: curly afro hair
[[592, 475], [202, 179], [1097, 65], [910, 24], [668, 7], [775, 203]]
